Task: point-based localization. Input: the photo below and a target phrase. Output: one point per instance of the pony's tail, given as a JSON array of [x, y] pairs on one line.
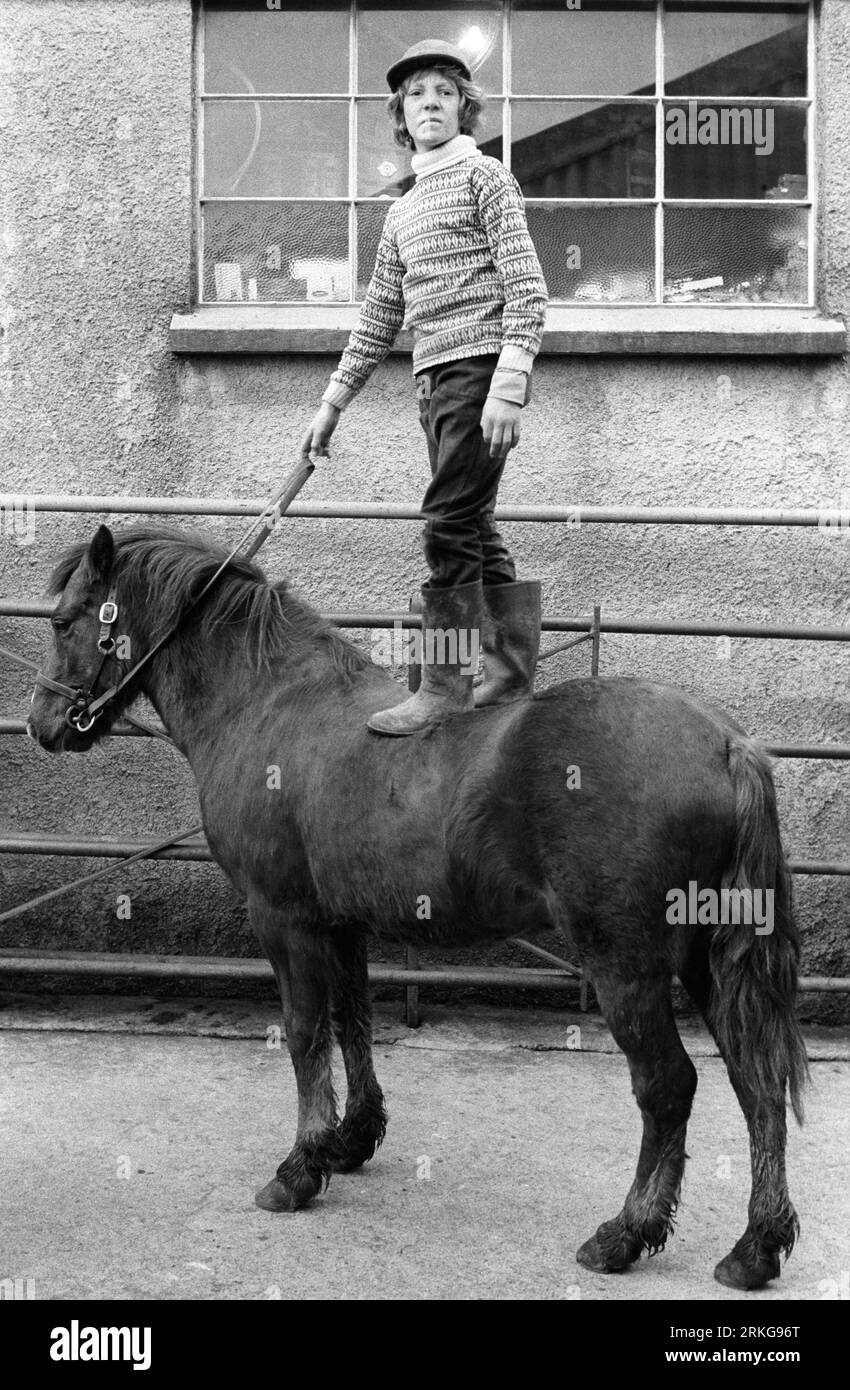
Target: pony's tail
[[754, 959]]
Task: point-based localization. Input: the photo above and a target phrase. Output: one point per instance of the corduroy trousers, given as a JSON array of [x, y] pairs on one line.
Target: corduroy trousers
[[460, 539]]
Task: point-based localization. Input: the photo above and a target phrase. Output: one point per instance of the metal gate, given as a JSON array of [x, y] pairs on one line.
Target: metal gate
[[558, 974]]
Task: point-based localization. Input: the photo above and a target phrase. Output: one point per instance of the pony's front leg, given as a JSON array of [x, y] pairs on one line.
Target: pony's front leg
[[303, 962], [365, 1120]]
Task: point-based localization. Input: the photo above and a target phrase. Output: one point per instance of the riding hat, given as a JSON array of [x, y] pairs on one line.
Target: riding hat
[[426, 54]]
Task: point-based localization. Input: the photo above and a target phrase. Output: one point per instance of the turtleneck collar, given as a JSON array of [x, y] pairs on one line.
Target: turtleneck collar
[[429, 161]]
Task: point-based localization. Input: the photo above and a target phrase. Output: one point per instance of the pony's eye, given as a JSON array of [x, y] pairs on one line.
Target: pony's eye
[[59, 624]]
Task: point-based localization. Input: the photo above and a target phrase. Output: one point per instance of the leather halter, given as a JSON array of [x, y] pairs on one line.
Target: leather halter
[[81, 710], [87, 707]]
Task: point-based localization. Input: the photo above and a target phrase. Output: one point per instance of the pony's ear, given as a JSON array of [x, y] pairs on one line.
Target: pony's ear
[[101, 553]]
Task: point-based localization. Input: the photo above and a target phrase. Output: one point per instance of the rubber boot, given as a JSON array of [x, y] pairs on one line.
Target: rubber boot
[[451, 627], [511, 642]]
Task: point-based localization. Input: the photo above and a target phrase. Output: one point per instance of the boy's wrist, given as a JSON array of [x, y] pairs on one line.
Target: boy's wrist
[[337, 394], [509, 385]]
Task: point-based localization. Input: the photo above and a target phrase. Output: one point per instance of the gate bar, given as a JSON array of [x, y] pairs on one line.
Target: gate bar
[[37, 608], [826, 518], [246, 968]]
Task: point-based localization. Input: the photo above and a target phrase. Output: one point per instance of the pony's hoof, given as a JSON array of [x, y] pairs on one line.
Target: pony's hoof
[[606, 1252], [592, 1257], [275, 1197], [352, 1152], [357, 1138], [736, 1274]]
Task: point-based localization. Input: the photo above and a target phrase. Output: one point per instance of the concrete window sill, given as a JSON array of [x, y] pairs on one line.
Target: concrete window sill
[[651, 330]]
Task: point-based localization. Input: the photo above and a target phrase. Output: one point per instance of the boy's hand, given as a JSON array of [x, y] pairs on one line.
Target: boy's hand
[[322, 426], [500, 426]]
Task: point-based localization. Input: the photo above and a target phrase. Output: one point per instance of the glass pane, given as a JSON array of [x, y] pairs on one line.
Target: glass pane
[[596, 255], [733, 151], [735, 51], [386, 31], [250, 48], [493, 146], [383, 167], [596, 48], [370, 220], [276, 149], [736, 255], [272, 251], [564, 149]]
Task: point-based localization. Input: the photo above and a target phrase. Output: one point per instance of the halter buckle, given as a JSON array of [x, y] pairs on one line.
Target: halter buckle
[[74, 717], [108, 612]]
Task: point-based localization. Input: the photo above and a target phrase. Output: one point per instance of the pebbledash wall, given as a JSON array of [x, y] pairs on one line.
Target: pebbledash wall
[[96, 138]]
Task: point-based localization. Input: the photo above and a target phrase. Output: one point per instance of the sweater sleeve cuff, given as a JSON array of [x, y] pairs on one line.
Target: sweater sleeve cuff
[[509, 386], [338, 394], [513, 358]]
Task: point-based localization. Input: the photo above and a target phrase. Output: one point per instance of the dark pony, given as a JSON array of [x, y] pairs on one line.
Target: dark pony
[[598, 809]]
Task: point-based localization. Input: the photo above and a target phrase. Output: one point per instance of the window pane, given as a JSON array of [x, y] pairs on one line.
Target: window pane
[[250, 48], [598, 48], [291, 250], [733, 151], [275, 149], [595, 254], [383, 167], [493, 146], [564, 149], [370, 220], [386, 31], [745, 254], [735, 52]]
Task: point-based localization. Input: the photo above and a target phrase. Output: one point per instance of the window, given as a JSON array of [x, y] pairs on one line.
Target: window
[[661, 145]]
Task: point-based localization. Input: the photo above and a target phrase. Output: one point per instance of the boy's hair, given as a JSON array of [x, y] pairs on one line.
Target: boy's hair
[[471, 102]]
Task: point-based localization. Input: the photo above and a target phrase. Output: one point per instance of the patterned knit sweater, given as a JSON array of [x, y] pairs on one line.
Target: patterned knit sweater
[[455, 264]]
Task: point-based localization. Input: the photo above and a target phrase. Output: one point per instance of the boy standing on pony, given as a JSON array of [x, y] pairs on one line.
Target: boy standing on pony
[[456, 259]]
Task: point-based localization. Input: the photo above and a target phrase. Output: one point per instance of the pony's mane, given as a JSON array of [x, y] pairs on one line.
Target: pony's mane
[[173, 566]]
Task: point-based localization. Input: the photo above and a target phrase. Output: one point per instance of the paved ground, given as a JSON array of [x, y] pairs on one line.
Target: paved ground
[[131, 1148]]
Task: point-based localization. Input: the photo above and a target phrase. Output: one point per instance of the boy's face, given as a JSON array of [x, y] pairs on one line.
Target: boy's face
[[431, 109]]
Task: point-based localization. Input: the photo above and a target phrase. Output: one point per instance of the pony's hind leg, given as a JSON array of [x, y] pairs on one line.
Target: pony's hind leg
[[772, 1225], [304, 963], [365, 1120], [639, 1013]]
